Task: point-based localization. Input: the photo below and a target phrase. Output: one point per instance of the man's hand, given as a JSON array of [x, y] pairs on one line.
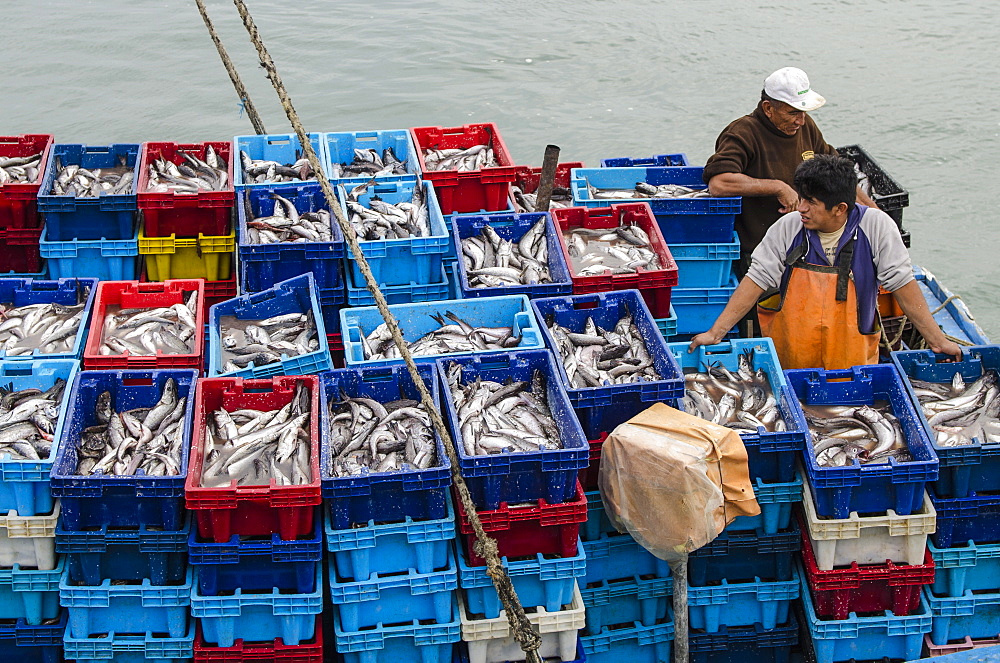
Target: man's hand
[[788, 198], [706, 338], [946, 347]]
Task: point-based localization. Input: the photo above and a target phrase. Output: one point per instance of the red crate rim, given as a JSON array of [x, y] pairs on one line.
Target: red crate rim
[[250, 651], [448, 135], [567, 513], [224, 149], [22, 146]]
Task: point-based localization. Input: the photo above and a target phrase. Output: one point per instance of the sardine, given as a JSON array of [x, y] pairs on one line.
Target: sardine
[[264, 171], [741, 399], [47, 328], [462, 160], [368, 163], [260, 342]]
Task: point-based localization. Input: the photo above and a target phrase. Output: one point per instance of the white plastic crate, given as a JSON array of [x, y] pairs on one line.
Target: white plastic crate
[[870, 539], [491, 641], [29, 541]]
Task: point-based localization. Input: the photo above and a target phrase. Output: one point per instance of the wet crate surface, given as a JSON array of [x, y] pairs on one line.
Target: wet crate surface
[[745, 556], [28, 541], [429, 643], [616, 556], [972, 518], [776, 501], [20, 251], [705, 265], [966, 565], [678, 159], [742, 603], [204, 256], [97, 500], [746, 644], [24, 643], [970, 615], [698, 308]]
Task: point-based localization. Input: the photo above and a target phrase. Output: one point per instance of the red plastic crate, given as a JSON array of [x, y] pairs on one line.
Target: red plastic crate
[[215, 291], [967, 644], [486, 189], [133, 294], [522, 531], [18, 202], [261, 652], [184, 214], [336, 343], [589, 476], [252, 510], [528, 177], [19, 250], [655, 284], [861, 589]]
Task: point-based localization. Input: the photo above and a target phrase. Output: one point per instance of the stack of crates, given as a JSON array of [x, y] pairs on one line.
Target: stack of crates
[[124, 580], [188, 235], [256, 550], [20, 222], [864, 528], [699, 232], [91, 236], [964, 600], [890, 197], [392, 569]]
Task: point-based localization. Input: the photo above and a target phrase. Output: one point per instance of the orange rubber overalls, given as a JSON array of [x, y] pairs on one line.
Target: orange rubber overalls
[[814, 322]]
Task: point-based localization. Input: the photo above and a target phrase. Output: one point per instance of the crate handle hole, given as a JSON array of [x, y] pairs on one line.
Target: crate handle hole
[[279, 141], [137, 382], [579, 306]]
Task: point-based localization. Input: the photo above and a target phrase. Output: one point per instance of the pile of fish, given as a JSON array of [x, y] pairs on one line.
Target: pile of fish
[[864, 183], [380, 220], [265, 171], [369, 163], [286, 225], [528, 202], [621, 250], [74, 180], [471, 158], [958, 412], [503, 418], [168, 330], [843, 434], [147, 438], [266, 341], [19, 170], [493, 262], [741, 400], [596, 357], [255, 447], [48, 328], [449, 338], [644, 190], [28, 418], [368, 436], [192, 176]]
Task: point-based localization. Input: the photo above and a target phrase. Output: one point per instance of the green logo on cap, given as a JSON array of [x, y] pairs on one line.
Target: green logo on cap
[[804, 91]]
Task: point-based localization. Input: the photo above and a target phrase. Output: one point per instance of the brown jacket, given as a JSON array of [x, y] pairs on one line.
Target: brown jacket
[[751, 145]]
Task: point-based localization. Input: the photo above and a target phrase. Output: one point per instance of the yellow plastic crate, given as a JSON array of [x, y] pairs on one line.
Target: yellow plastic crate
[[208, 257]]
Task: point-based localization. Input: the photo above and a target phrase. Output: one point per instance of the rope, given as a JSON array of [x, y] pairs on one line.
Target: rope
[[945, 303], [241, 91], [484, 546]]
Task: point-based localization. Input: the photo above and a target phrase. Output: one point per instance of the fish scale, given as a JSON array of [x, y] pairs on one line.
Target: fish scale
[[190, 177], [45, 328], [621, 250], [462, 160], [380, 220], [285, 224], [148, 331], [866, 434], [83, 183]]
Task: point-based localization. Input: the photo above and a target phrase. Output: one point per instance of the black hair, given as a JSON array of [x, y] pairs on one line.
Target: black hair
[[827, 178], [764, 97]]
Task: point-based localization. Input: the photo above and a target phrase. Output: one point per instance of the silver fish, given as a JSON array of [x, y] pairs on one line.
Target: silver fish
[[459, 336], [370, 163], [594, 357], [621, 250], [741, 399], [20, 170], [961, 413], [190, 175], [74, 180], [866, 434], [264, 171], [493, 262], [148, 331], [380, 220], [644, 190], [528, 202], [260, 342], [286, 224], [47, 328], [28, 418], [462, 160]]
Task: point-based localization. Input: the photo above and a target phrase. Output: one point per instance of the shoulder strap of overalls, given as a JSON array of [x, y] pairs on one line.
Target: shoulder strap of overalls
[[844, 261]]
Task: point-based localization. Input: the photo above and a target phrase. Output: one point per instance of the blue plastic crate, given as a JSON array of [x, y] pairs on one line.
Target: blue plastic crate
[[258, 616], [70, 292], [415, 321], [30, 594], [427, 643], [697, 308], [120, 501], [277, 551], [296, 295], [597, 420], [876, 487], [865, 638], [771, 456], [383, 496], [668, 326], [138, 648], [24, 484], [976, 615], [616, 556], [264, 265], [390, 547], [512, 227], [972, 467], [598, 522], [395, 598], [681, 220], [40, 275], [776, 501], [102, 259], [744, 556], [543, 581], [954, 316], [705, 265], [129, 608], [451, 273], [331, 313], [462, 654], [972, 518], [746, 644], [23, 643], [359, 295], [626, 601], [742, 603], [967, 566], [283, 148], [93, 556], [409, 260], [108, 216], [661, 160], [637, 644], [519, 476], [606, 309], [339, 148]]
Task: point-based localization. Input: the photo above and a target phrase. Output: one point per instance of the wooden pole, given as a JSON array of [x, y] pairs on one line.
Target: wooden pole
[[544, 193]]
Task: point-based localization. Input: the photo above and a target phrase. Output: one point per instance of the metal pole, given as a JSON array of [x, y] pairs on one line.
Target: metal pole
[[679, 570]]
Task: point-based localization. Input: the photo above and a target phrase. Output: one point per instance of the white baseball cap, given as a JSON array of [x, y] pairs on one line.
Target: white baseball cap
[[791, 85]]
